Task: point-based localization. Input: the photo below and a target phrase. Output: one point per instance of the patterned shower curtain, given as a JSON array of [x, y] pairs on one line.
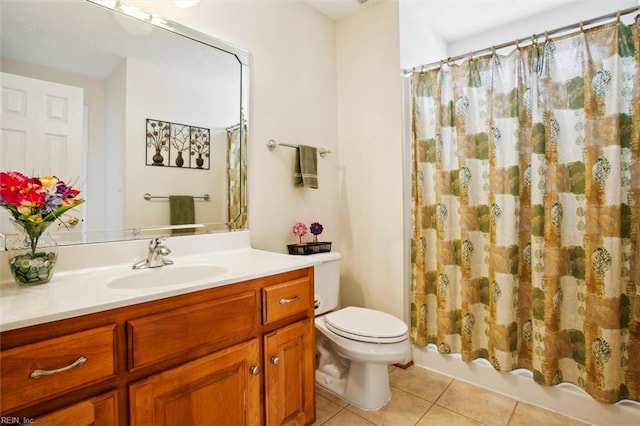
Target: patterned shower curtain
[[237, 175], [526, 203]]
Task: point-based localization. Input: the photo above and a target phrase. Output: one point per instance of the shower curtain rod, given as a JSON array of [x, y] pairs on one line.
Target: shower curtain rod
[[533, 39]]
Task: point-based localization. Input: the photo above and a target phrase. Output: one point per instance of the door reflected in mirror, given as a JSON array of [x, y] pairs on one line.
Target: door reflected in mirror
[[80, 82]]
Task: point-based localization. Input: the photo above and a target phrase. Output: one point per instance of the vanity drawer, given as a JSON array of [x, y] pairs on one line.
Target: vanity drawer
[[286, 299], [205, 326], [42, 370]]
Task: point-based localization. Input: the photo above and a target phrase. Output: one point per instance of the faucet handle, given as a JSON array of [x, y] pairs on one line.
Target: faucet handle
[[155, 242]]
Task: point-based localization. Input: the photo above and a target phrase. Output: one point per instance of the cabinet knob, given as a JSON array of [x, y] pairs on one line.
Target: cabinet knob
[[255, 370], [275, 360]]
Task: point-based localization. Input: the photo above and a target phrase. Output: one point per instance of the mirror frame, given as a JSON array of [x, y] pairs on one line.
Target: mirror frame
[[238, 222]]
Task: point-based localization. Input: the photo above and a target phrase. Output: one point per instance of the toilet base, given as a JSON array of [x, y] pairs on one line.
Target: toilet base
[[366, 385]]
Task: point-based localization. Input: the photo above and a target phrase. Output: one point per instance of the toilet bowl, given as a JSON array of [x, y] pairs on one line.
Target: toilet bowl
[[355, 345]]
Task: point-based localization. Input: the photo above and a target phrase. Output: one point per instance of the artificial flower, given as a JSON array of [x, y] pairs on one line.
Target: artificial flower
[[299, 230], [316, 228], [35, 202]]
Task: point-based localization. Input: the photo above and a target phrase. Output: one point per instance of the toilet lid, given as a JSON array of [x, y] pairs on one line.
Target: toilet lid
[[366, 325]]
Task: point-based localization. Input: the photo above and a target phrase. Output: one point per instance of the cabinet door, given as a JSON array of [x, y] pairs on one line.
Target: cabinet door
[[290, 373], [99, 411], [218, 389]]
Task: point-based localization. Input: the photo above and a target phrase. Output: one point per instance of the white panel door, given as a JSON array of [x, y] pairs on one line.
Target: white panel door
[[41, 128]]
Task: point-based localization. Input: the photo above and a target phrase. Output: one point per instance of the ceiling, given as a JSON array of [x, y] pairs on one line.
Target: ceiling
[[470, 16], [338, 9]]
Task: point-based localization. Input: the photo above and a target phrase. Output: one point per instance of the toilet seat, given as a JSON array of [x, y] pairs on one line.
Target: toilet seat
[[366, 325]]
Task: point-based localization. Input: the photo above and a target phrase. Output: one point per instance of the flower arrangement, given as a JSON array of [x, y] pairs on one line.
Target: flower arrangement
[[200, 144], [35, 202], [316, 229], [158, 135], [300, 230]]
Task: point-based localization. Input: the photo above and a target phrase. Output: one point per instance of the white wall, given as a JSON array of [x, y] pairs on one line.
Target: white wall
[[114, 150], [419, 44], [148, 89], [370, 172], [559, 17], [293, 100]]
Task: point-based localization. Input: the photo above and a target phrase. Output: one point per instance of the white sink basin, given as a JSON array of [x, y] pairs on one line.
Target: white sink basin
[[166, 276]]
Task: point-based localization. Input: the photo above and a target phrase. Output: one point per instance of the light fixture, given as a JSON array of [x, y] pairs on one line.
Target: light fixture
[[186, 3]]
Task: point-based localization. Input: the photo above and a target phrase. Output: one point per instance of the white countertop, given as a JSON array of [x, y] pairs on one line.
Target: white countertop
[[75, 292]]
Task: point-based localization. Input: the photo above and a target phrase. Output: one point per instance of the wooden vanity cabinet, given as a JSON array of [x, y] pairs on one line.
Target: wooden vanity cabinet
[[236, 354], [290, 389], [101, 410], [216, 389]]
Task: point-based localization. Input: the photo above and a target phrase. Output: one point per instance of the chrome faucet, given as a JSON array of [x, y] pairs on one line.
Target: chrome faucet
[[155, 257]]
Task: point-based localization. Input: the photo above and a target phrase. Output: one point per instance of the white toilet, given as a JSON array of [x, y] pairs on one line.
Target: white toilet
[[354, 345]]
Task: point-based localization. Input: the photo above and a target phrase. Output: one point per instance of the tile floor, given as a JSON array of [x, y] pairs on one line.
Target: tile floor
[[444, 401]]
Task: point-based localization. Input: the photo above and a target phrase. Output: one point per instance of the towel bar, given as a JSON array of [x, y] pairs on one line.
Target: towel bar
[[148, 197], [273, 145]]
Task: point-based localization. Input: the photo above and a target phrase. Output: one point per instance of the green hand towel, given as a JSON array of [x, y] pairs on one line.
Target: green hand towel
[[306, 173], [182, 212]]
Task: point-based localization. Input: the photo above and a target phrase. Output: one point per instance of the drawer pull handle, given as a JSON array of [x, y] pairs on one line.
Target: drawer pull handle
[[36, 374], [275, 360], [285, 301]]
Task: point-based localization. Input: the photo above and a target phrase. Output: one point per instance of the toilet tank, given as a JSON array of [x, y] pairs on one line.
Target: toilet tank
[[327, 281]]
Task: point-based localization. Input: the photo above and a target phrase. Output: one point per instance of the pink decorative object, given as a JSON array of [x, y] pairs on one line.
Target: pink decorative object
[[299, 230]]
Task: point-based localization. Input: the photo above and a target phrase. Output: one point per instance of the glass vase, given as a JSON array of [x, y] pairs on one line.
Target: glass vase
[[33, 254]]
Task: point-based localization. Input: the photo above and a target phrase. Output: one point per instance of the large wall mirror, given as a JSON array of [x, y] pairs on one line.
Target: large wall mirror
[[84, 83]]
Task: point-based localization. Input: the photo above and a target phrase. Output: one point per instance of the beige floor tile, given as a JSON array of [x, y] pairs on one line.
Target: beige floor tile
[[438, 416], [477, 403], [403, 409], [325, 409], [530, 415], [347, 418], [331, 397], [420, 382]]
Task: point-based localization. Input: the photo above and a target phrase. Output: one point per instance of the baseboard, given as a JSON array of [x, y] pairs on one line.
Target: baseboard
[[404, 366]]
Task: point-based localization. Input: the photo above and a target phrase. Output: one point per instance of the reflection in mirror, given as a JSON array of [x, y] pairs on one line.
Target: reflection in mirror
[[80, 83]]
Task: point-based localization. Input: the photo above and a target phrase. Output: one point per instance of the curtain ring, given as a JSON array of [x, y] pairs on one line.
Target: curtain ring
[[493, 50], [517, 45], [546, 36], [581, 27], [618, 16], [533, 40]]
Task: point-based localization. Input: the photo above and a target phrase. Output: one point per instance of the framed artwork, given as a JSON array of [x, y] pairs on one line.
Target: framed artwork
[[177, 145]]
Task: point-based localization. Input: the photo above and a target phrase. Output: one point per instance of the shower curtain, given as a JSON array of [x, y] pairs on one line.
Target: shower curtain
[[237, 175], [525, 210]]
